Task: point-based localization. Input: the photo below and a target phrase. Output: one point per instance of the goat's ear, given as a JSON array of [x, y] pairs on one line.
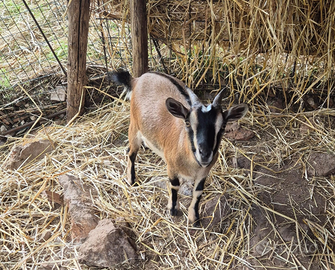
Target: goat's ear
[[176, 108], [235, 113]]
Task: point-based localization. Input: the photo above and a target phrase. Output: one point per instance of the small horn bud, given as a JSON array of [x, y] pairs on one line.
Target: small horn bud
[[193, 97], [217, 100]]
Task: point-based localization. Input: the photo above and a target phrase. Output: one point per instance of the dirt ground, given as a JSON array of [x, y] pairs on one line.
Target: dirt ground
[[270, 196]]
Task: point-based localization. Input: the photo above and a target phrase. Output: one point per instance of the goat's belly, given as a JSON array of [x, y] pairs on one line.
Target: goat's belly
[[152, 146]]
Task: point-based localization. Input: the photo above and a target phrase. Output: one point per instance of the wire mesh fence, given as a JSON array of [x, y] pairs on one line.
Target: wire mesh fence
[[33, 44], [25, 54], [200, 44], [33, 57]]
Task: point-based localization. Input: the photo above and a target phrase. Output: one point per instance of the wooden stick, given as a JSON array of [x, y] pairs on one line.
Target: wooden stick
[[29, 124], [139, 36], [79, 15]]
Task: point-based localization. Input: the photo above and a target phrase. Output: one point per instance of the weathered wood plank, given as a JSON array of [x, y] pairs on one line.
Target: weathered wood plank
[[139, 36], [79, 15]]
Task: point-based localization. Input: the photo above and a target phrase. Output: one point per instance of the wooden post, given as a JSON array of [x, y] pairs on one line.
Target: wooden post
[[79, 15], [139, 36]]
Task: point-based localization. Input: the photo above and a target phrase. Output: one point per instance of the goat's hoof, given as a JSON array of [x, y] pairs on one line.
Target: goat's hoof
[[133, 184], [197, 223], [174, 212]]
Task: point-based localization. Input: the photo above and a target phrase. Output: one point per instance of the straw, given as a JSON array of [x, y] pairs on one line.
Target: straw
[[94, 149]]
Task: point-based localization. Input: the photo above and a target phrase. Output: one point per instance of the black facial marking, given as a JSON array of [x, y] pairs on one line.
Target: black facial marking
[[206, 129], [190, 132], [180, 88]]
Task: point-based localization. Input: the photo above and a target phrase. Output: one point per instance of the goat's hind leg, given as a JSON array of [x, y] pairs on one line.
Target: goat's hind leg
[[134, 146]]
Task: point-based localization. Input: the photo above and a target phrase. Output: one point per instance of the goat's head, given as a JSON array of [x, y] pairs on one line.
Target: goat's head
[[205, 124]]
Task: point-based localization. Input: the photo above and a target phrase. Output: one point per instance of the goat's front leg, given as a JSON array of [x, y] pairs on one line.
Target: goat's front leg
[[173, 204], [193, 210]]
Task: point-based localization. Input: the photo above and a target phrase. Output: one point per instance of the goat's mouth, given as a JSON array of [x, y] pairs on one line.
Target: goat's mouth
[[205, 164], [205, 161]]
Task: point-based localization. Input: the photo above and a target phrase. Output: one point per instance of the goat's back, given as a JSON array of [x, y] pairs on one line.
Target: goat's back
[[149, 112], [149, 94], [152, 89]]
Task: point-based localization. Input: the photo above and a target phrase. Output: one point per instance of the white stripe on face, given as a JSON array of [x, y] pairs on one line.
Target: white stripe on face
[[205, 109]]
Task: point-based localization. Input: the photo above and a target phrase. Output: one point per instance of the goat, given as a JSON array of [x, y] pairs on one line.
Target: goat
[[170, 119]]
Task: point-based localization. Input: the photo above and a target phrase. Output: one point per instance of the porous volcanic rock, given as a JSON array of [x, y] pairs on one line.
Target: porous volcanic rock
[[27, 151], [107, 246]]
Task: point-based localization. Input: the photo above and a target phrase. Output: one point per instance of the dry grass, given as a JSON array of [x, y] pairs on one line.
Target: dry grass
[[255, 46], [35, 233], [250, 45]]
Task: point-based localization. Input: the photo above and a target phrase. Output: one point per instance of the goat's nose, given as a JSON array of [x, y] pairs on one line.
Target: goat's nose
[[204, 152]]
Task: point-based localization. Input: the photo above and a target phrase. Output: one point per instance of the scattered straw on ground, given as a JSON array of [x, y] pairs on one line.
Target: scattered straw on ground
[[35, 233]]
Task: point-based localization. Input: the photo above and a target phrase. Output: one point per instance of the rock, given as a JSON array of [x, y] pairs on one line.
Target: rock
[[321, 164], [237, 133], [78, 197], [215, 210], [3, 128], [45, 235], [59, 93], [243, 162], [121, 223], [54, 198], [27, 151], [107, 246], [186, 188], [275, 105]]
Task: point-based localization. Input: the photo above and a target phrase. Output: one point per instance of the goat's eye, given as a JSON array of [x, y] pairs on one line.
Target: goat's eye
[[187, 123]]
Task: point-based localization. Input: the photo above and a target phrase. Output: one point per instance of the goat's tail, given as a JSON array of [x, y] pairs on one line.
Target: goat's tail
[[122, 77]]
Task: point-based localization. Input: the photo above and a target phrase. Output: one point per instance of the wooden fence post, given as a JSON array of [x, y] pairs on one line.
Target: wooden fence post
[[139, 36], [78, 18]]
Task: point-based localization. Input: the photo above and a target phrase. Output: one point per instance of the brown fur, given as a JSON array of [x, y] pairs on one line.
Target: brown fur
[[165, 134]]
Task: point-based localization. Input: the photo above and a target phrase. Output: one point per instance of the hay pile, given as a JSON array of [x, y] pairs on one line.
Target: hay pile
[[35, 233], [258, 47]]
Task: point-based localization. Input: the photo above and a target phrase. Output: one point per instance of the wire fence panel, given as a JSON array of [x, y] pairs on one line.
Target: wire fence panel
[[33, 58], [24, 52], [33, 44]]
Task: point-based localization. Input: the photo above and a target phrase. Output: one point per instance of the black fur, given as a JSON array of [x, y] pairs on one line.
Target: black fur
[[132, 158], [200, 185], [206, 130], [121, 77], [174, 182]]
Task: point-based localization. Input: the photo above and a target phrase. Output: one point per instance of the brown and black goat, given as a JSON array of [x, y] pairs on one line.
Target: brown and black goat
[[171, 120]]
